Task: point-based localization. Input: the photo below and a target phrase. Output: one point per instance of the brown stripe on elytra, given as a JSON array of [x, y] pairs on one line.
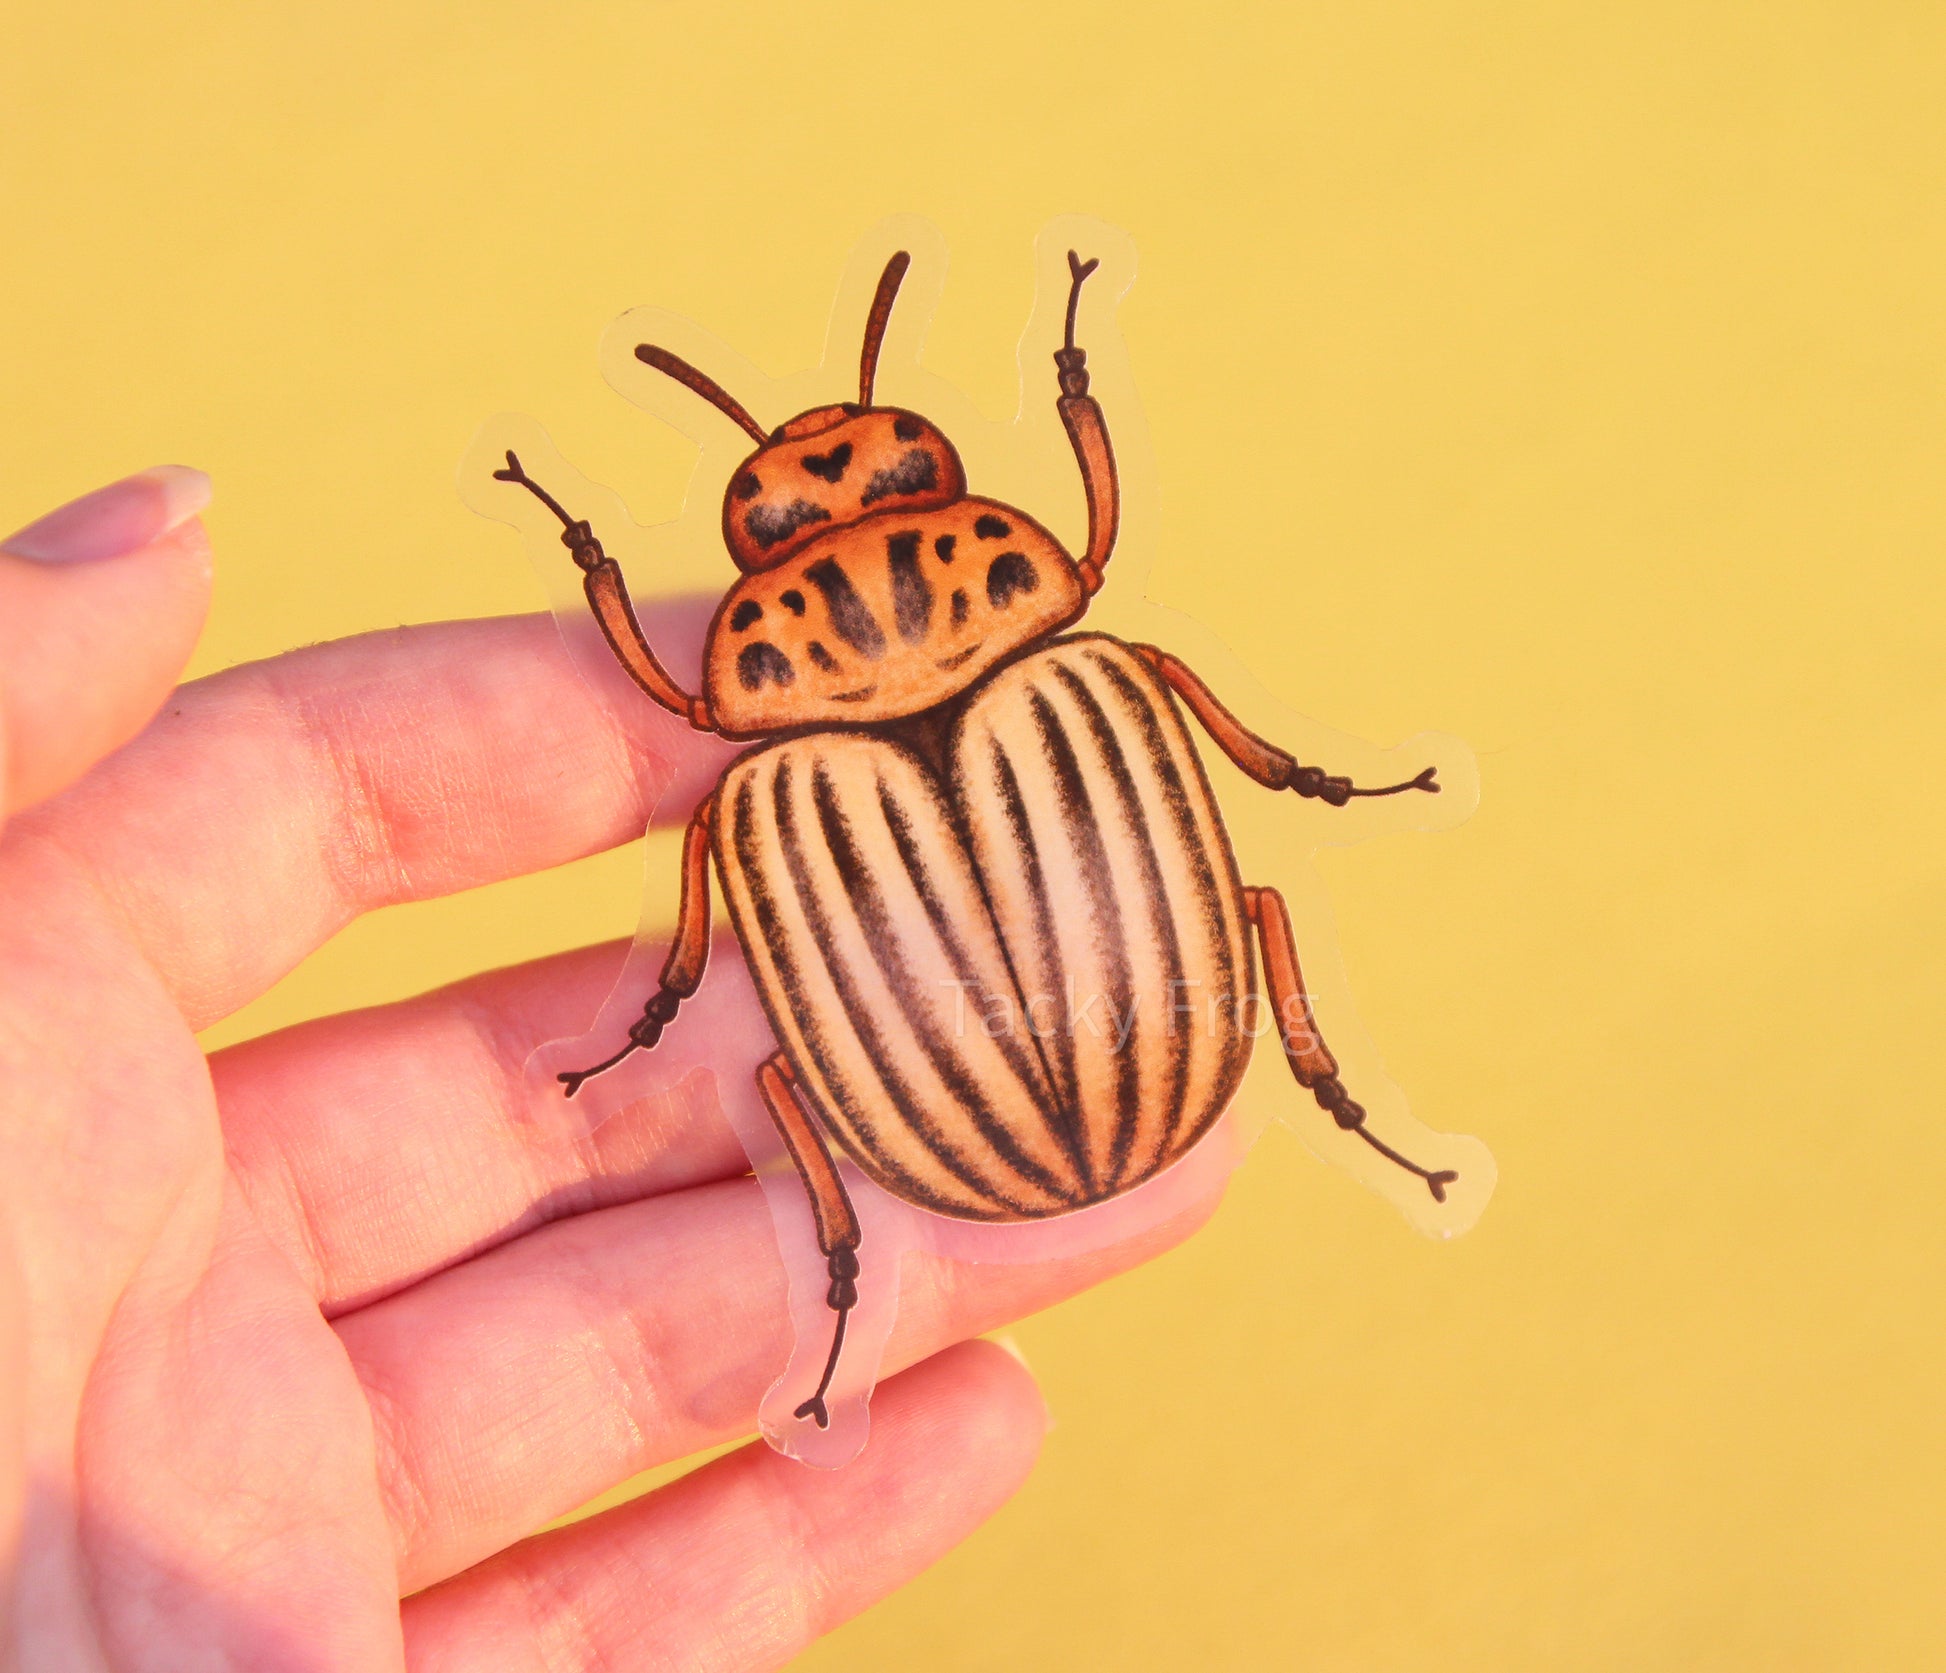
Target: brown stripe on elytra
[[1233, 975], [750, 851], [820, 657], [851, 618], [1062, 1115], [1176, 1049], [917, 472], [1098, 879], [858, 1010], [882, 935], [746, 841], [1138, 706], [1027, 1067], [959, 605], [748, 844], [1230, 950], [911, 591], [1008, 574]]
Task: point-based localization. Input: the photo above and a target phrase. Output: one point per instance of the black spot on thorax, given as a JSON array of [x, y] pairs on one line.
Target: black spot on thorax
[[763, 664], [745, 614], [1008, 574], [851, 617], [944, 547], [907, 428], [792, 600], [991, 527], [911, 591]]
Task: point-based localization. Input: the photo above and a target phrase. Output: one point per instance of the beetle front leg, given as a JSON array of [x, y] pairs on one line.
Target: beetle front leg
[[682, 971], [1313, 1065], [1088, 434], [831, 1212], [1273, 768], [614, 610]]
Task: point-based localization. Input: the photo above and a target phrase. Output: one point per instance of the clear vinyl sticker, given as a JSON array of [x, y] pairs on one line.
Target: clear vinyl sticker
[[966, 955]]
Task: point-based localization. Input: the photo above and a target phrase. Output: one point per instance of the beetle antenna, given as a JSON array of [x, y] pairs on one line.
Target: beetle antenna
[[888, 290], [703, 384], [1078, 270]]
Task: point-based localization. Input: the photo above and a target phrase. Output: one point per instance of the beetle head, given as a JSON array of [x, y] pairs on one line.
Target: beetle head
[[829, 466]]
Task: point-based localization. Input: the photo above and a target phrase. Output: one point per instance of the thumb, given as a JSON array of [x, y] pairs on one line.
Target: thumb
[[100, 605]]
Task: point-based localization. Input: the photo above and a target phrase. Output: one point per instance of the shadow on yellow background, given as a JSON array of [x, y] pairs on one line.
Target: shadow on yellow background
[[1568, 380]]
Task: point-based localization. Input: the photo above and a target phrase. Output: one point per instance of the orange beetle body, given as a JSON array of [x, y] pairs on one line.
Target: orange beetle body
[[1047, 816]]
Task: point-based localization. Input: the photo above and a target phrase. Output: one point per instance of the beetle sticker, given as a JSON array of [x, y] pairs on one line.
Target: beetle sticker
[[954, 798]]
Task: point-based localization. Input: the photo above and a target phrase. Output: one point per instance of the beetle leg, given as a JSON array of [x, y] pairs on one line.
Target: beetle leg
[[682, 971], [608, 596], [1273, 768], [1316, 1069], [831, 1211], [1088, 433]]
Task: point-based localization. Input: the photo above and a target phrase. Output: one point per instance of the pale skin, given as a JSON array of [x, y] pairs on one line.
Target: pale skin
[[300, 1343]]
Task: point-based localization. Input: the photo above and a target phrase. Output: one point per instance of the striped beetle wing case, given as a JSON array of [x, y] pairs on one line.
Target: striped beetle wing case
[[1012, 983]]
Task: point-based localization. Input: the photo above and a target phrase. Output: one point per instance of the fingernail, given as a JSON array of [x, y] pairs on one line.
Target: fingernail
[[116, 520], [1009, 1344]]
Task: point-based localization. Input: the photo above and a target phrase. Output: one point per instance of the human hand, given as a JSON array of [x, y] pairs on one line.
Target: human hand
[[330, 1319]]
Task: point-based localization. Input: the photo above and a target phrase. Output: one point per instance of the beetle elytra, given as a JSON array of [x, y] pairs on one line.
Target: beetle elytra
[[951, 800]]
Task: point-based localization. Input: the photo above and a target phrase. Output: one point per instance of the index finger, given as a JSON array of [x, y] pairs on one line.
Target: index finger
[[271, 804]]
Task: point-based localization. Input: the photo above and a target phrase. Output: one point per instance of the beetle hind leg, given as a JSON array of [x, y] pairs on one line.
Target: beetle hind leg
[[831, 1212], [1313, 1065]]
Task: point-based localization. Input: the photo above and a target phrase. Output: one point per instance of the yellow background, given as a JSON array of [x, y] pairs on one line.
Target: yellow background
[[1568, 378]]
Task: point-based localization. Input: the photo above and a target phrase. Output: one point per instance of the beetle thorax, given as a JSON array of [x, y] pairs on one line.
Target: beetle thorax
[[885, 616]]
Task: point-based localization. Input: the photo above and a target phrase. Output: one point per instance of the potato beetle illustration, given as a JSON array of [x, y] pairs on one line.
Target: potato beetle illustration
[[951, 798]]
